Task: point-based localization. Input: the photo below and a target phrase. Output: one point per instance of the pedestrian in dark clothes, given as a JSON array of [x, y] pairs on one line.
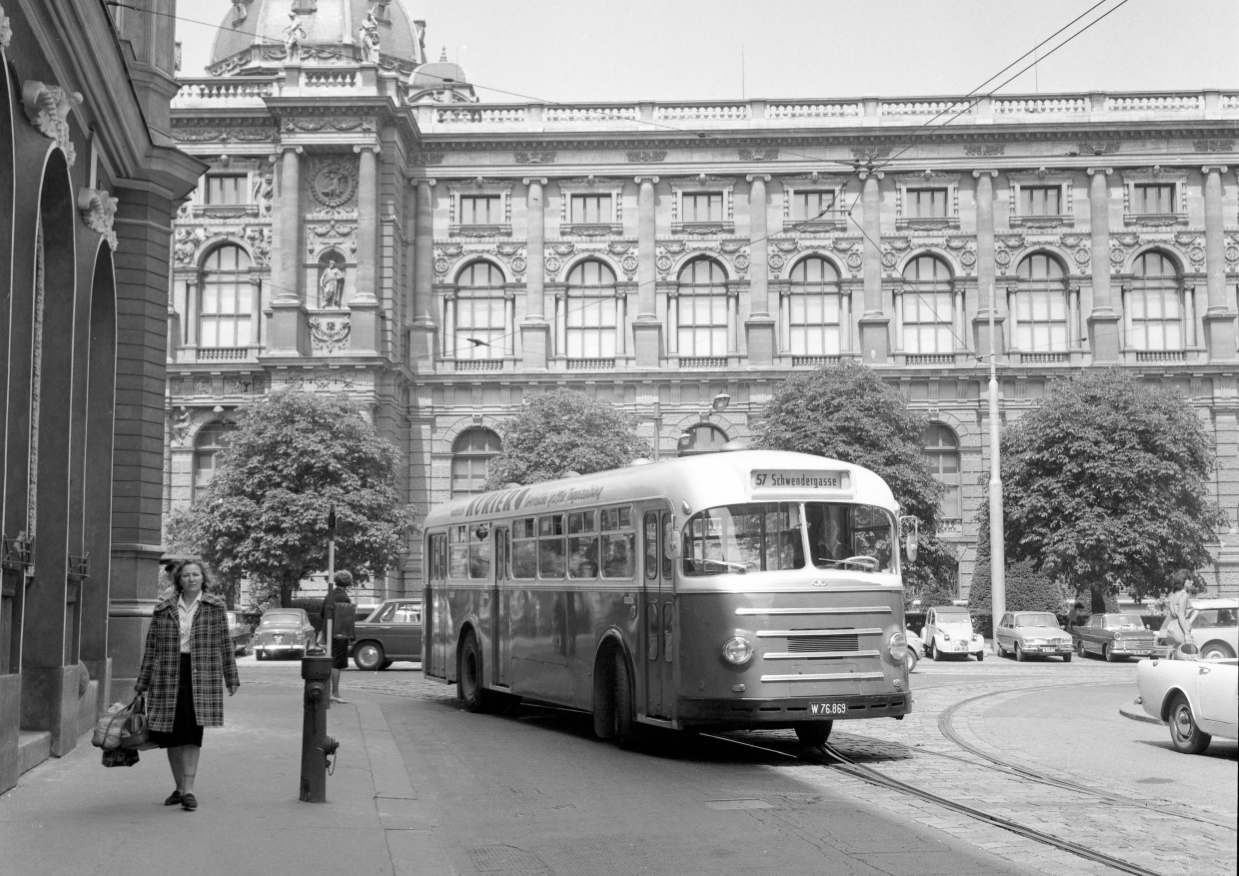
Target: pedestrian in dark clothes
[[187, 661], [340, 610]]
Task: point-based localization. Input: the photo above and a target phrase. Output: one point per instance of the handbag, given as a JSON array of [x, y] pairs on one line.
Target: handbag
[[118, 757], [108, 727], [136, 732]]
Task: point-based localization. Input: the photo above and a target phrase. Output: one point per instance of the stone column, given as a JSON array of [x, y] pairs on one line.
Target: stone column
[[536, 329], [1219, 319], [986, 268], [759, 327], [364, 306], [1103, 322], [874, 323], [646, 329], [424, 324], [290, 330]]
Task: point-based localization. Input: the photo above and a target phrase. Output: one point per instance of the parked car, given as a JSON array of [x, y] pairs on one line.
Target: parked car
[[393, 632], [283, 632], [1214, 630], [1114, 637], [916, 649], [1031, 634], [1198, 699], [948, 630], [366, 606], [239, 631]]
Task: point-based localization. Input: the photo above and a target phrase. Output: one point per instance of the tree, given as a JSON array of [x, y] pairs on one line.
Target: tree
[[265, 513], [1026, 588], [560, 432], [846, 412], [1105, 486]]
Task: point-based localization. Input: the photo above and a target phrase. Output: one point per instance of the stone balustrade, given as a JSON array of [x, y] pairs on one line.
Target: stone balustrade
[[229, 91]]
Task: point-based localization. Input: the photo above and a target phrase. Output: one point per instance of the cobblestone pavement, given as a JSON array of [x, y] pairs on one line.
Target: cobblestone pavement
[[1158, 836]]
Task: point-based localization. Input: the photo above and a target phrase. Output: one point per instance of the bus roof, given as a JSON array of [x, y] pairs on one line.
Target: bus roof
[[703, 481]]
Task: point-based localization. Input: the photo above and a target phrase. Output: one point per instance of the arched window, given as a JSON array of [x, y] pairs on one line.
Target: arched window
[[702, 438], [480, 306], [212, 440], [1041, 306], [590, 311], [942, 448], [1153, 308], [928, 313], [471, 456], [702, 317], [227, 299], [813, 320]]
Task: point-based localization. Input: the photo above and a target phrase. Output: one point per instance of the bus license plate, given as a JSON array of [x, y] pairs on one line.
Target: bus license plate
[[828, 708]]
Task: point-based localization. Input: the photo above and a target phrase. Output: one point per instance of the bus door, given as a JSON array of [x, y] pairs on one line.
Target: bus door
[[501, 635], [658, 615], [434, 609]]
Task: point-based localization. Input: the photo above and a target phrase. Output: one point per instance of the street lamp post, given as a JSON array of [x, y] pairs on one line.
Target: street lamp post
[[997, 549]]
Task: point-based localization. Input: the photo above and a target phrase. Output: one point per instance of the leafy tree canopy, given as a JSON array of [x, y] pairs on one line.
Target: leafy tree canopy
[[264, 514], [564, 431], [1105, 485], [846, 412], [1026, 589]]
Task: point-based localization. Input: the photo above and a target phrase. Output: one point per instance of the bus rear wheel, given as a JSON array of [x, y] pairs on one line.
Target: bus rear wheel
[[813, 734], [469, 677]]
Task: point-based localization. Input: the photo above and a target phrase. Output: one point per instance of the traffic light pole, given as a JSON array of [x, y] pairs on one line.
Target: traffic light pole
[[997, 544]]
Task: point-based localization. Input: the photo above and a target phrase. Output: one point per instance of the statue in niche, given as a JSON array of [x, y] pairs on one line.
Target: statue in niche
[[293, 35], [331, 284], [368, 36]]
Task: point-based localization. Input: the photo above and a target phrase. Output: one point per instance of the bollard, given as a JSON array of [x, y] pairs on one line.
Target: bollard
[[316, 746]]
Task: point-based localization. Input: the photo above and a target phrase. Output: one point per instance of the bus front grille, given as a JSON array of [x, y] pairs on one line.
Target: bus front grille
[[802, 644]]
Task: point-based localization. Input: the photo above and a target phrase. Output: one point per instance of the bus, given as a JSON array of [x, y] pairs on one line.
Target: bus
[[733, 590]]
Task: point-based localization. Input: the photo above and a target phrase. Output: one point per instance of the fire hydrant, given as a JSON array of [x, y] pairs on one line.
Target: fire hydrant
[[318, 750]]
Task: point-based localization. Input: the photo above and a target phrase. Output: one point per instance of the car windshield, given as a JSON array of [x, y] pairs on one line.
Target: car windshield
[[954, 617], [280, 620], [778, 536], [1215, 617], [1041, 619], [1123, 622]]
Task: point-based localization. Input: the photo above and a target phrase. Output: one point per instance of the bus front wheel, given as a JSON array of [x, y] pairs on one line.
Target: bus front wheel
[[814, 734], [469, 677]]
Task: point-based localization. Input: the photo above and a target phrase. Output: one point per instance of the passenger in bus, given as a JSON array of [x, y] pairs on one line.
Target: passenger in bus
[[791, 550], [584, 560]]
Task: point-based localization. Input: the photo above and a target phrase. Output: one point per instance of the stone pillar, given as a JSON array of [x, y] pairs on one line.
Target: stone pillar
[[365, 317], [986, 268], [759, 327], [290, 330], [1219, 318], [874, 323], [1103, 322], [424, 325], [535, 330], [646, 329]]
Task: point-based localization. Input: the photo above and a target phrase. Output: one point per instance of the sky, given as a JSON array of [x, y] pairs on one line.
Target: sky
[[587, 50]]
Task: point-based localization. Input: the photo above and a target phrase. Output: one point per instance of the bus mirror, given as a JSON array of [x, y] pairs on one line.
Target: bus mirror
[[910, 527], [910, 548], [673, 545]]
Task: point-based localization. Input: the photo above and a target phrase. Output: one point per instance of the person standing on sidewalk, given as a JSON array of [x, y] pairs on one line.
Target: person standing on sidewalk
[[340, 610], [187, 661]]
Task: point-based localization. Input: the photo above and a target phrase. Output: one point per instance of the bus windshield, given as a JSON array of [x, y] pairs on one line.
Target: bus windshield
[[777, 536]]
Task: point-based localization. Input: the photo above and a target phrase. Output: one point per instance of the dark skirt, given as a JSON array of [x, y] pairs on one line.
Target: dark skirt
[[339, 653], [185, 727]]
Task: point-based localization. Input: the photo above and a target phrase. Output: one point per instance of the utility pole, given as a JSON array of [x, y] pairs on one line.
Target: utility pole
[[997, 545]]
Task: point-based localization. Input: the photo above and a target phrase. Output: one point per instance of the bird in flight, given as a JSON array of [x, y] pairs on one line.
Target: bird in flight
[[477, 343]]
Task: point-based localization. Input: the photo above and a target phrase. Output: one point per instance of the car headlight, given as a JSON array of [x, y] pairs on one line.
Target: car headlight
[[737, 651], [946, 637], [898, 646]]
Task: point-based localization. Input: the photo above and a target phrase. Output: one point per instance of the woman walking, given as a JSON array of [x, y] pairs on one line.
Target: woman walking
[[187, 661]]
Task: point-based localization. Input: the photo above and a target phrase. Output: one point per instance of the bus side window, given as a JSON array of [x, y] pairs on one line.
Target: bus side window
[[668, 523], [651, 545]]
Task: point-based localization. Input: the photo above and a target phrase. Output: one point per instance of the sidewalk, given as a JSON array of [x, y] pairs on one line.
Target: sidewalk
[[72, 816]]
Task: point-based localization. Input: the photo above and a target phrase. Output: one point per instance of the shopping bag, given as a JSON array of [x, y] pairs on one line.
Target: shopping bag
[[118, 757], [108, 729], [136, 733]]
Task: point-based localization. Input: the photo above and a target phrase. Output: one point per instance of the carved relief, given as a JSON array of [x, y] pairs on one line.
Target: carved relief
[[870, 153], [259, 239], [646, 156], [535, 157], [329, 334], [188, 240], [181, 424], [426, 158], [333, 182], [1213, 145], [264, 191], [1099, 147], [983, 149], [770, 153], [98, 210], [47, 108], [331, 280]]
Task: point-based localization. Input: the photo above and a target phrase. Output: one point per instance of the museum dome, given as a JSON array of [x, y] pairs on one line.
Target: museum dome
[[252, 36], [441, 82]]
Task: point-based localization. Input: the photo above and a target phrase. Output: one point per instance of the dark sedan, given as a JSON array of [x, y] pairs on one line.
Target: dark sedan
[[393, 632], [283, 632], [1114, 637]]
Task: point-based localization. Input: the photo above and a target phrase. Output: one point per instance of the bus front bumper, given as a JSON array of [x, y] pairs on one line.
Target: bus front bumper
[[791, 710]]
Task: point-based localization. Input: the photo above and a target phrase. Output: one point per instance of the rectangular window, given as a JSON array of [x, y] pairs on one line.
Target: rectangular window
[[1156, 198], [1040, 200], [481, 210], [927, 322], [458, 552], [702, 207], [619, 542], [552, 548], [651, 546], [926, 203], [224, 189], [591, 210], [812, 206]]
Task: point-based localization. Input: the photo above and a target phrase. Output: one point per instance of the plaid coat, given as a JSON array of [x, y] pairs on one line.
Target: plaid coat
[[211, 658]]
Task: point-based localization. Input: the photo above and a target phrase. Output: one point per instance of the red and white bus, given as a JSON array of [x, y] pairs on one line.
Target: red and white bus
[[730, 590]]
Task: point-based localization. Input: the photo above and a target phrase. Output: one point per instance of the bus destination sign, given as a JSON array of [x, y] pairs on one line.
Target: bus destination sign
[[782, 479]]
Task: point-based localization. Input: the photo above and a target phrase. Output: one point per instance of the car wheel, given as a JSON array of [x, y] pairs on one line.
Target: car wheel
[[911, 660], [385, 664], [1080, 649], [469, 677], [1109, 655], [813, 734], [368, 656], [260, 655], [1216, 651], [1066, 658], [1020, 656], [1185, 735], [980, 656], [934, 653], [998, 649]]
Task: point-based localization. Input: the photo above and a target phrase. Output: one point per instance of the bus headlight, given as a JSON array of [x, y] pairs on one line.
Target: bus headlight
[[898, 647], [737, 650]]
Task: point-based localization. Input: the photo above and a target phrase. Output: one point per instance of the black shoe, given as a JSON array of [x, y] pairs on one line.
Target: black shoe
[[189, 802], [173, 799]]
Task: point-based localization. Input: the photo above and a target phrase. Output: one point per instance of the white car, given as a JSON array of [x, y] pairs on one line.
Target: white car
[[1214, 630], [916, 649], [1198, 699], [948, 630]]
